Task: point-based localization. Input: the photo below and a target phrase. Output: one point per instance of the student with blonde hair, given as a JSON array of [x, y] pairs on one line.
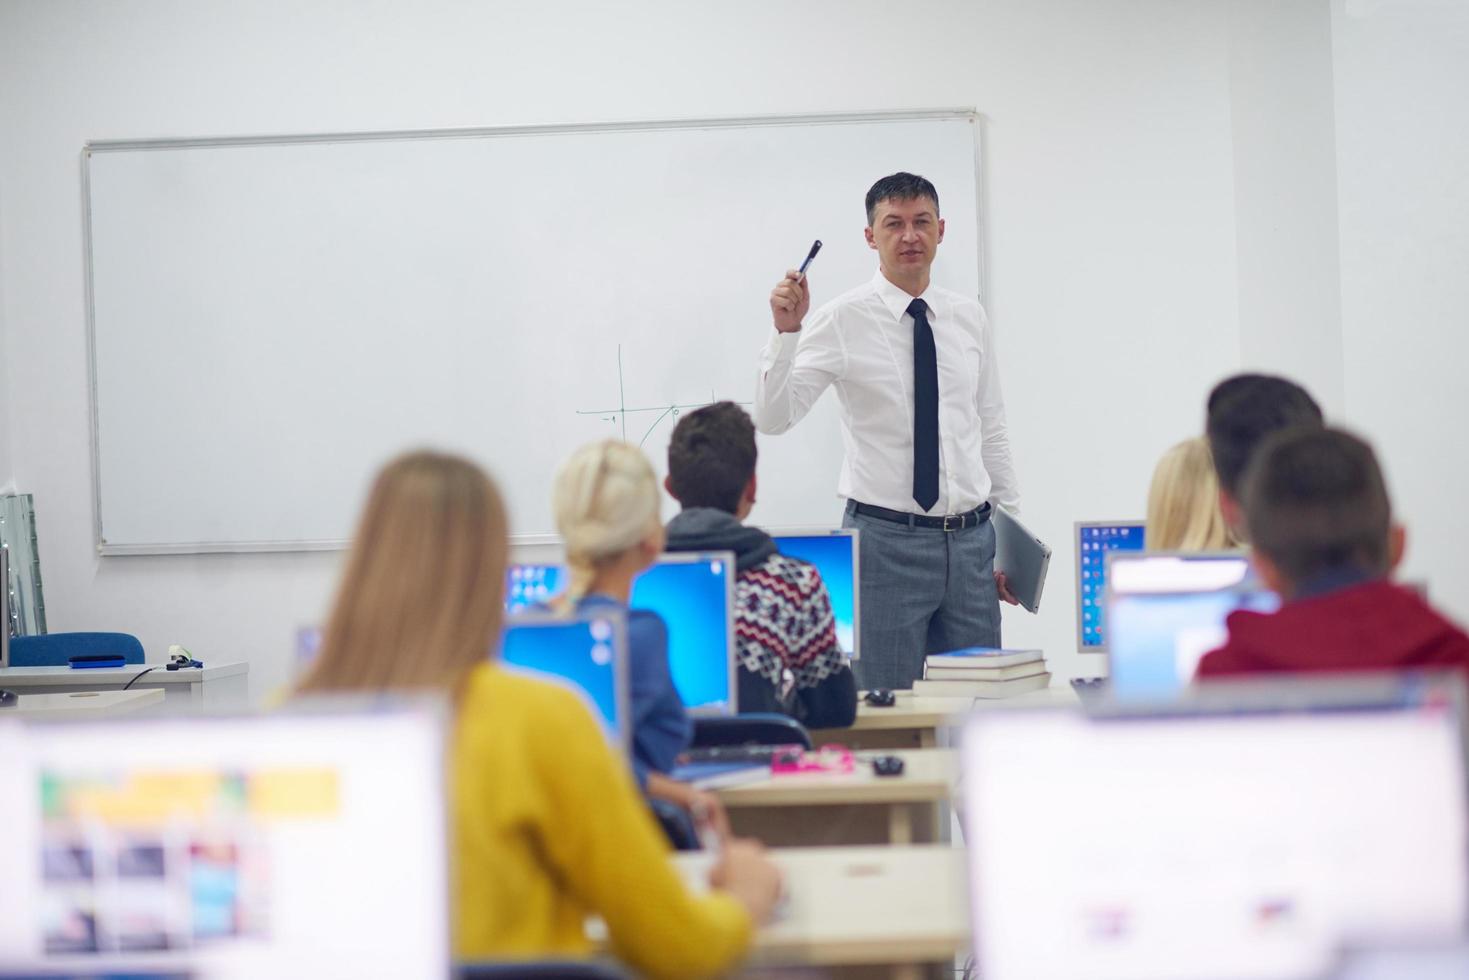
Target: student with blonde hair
[[548, 827], [1183, 502], [605, 501]]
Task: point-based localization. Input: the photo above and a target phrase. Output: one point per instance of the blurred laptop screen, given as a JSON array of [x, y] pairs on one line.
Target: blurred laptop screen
[[1210, 845], [1157, 639], [284, 844]]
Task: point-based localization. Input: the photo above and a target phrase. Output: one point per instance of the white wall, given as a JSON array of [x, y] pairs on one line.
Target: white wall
[[1117, 283], [1284, 133], [1402, 88]]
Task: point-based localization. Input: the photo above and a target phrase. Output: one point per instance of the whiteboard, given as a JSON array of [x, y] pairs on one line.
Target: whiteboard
[[273, 318]]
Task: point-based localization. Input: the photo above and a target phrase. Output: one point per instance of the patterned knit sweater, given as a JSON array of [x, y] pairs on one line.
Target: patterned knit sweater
[[784, 628]]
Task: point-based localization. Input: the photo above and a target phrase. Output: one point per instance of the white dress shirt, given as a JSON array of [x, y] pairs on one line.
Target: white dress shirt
[[862, 342]]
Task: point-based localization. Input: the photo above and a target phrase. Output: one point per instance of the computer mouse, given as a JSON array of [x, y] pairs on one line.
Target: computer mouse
[[8, 699], [881, 697], [887, 765]]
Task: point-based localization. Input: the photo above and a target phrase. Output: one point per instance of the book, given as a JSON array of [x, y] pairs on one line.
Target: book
[[982, 689], [984, 657], [1009, 673]]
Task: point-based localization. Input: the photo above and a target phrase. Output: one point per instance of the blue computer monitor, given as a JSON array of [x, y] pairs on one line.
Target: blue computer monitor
[[587, 651], [835, 555], [694, 595], [529, 586], [1094, 539], [1165, 611], [694, 592]]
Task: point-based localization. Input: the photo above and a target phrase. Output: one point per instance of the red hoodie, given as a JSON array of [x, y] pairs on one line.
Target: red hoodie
[[1369, 626]]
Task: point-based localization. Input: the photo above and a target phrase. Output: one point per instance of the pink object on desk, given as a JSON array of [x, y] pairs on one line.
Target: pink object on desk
[[828, 758]]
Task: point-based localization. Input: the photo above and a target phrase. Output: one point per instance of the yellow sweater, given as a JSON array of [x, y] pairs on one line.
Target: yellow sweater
[[549, 826]]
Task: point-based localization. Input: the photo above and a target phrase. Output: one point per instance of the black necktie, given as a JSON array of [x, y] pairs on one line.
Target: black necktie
[[925, 409]]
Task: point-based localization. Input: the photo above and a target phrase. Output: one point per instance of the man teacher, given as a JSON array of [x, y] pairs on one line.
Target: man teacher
[[923, 423]]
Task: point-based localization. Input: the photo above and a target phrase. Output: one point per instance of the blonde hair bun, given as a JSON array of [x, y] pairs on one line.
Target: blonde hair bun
[[605, 501]]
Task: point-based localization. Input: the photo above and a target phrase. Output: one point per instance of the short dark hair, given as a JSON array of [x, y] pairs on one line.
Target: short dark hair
[[1315, 501], [900, 187], [1243, 410], [711, 457]]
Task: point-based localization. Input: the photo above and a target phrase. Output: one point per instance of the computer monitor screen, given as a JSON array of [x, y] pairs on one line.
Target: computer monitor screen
[[528, 586], [694, 594], [287, 844], [834, 553], [1225, 845], [1094, 539], [1156, 640], [586, 652]]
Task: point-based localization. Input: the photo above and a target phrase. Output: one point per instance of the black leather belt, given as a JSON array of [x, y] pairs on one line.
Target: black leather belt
[[950, 522]]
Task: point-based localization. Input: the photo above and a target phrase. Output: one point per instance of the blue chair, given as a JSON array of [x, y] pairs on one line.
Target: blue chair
[[760, 728], [55, 649], [538, 970]]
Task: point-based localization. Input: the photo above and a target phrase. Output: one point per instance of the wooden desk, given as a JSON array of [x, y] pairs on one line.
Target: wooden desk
[[84, 704], [905, 908], [860, 808], [214, 686], [915, 722]]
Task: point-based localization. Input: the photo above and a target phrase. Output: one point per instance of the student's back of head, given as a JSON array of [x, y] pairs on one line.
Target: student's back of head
[[711, 459], [606, 504], [419, 603], [1183, 502], [1323, 537], [1316, 505], [1242, 411]]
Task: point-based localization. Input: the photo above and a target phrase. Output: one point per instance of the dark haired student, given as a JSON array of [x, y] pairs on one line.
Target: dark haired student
[[789, 660], [1323, 538], [923, 421], [1242, 412]]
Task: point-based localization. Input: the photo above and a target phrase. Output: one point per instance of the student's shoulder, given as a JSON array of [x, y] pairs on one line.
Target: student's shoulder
[[646, 626], [509, 704], [527, 730], [643, 625], [501, 697]]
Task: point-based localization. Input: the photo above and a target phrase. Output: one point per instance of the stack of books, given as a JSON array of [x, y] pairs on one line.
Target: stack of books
[[982, 672]]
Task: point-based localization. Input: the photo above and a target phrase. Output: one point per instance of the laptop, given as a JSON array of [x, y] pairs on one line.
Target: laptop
[[233, 846], [836, 554], [1244, 835], [1093, 540], [1023, 557], [586, 652], [1166, 610]]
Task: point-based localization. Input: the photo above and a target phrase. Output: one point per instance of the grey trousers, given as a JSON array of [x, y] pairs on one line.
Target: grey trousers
[[923, 590]]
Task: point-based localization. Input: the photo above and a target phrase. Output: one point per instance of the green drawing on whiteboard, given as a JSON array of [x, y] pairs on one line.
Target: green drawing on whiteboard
[[618, 416]]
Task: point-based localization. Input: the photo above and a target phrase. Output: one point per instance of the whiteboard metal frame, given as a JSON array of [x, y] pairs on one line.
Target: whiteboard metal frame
[[92, 147]]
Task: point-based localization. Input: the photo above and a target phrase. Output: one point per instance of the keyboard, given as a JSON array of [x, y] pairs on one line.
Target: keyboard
[[738, 753]]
